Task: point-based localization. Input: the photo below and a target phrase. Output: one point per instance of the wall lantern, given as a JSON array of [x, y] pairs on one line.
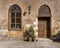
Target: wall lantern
[[29, 10]]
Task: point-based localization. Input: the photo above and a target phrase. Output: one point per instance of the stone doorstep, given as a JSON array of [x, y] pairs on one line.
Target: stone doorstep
[[44, 39]]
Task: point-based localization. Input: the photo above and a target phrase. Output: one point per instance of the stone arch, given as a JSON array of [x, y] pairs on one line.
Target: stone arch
[[44, 11]]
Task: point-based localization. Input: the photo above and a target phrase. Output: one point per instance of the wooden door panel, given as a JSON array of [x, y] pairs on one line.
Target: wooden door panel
[[43, 27]]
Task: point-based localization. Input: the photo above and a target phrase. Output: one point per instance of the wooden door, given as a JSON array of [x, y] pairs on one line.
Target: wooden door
[[43, 27]]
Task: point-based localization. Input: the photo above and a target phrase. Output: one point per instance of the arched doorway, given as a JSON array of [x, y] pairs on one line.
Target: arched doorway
[[14, 18], [44, 22]]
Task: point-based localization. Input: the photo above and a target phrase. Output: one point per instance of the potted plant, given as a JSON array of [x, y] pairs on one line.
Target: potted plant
[[26, 35], [29, 34]]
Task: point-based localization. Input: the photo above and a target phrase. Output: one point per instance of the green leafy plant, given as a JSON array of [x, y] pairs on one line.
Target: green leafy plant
[[32, 33], [31, 30]]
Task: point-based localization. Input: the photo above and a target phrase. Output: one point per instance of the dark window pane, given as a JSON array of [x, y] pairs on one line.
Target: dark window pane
[[18, 20], [12, 26], [12, 14], [12, 20], [18, 26], [18, 14]]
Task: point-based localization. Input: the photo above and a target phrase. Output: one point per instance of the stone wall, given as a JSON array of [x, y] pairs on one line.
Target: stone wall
[[30, 18]]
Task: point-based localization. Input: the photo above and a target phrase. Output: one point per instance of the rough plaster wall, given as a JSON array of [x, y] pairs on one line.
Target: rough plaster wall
[[30, 18]]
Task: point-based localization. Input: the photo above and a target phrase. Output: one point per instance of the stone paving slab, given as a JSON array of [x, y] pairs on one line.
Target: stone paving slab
[[34, 45], [25, 44]]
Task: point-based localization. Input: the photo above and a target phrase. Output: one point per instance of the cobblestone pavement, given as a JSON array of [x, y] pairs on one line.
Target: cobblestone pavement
[[34, 45], [24, 44]]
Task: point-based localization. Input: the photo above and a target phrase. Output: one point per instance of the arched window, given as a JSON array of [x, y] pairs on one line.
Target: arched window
[[14, 17]]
